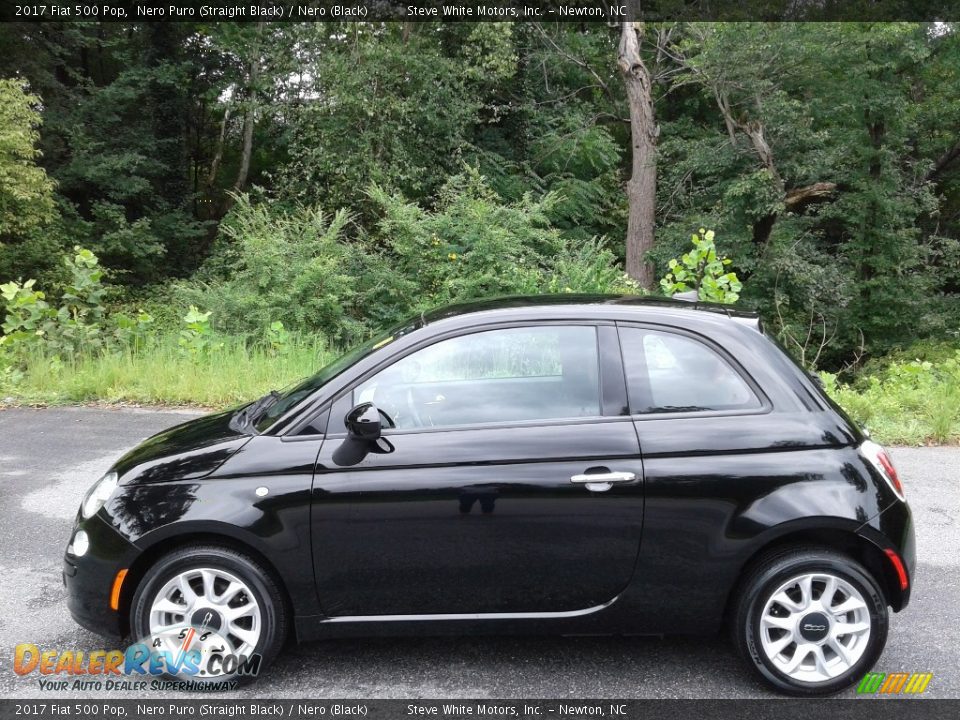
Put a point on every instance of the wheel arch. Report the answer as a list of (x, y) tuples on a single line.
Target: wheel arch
[(162, 546), (845, 541)]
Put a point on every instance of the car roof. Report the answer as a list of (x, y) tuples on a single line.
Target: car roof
[(587, 307)]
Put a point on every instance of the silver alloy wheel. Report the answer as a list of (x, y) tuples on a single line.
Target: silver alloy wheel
[(210, 594), (815, 627)]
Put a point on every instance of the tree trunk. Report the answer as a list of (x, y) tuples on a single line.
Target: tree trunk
[(727, 115), (248, 121), (218, 151), (642, 186), (944, 161), (794, 199), (758, 140), (797, 198), (249, 115)]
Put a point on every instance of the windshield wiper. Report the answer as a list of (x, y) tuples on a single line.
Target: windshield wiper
[(244, 417)]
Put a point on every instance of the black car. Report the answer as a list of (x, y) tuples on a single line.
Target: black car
[(560, 464)]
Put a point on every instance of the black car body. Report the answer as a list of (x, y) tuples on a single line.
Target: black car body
[(712, 450)]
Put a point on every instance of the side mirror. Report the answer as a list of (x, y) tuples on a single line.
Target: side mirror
[(363, 422)]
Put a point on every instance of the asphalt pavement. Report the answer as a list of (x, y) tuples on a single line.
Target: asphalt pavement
[(48, 458)]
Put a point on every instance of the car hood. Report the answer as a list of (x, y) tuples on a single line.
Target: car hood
[(184, 452)]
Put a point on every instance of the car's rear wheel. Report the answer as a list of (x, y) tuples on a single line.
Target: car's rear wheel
[(214, 600), (810, 621)]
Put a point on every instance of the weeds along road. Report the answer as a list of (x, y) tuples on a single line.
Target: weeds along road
[(49, 457)]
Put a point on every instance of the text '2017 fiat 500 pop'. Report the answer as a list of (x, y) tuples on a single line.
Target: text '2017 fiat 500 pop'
[(565, 464)]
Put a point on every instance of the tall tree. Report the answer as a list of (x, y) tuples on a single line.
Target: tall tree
[(810, 149), (26, 193), (384, 110), (743, 71), (644, 132)]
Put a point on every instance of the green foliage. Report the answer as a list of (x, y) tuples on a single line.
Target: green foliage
[(932, 351), (905, 401), (287, 265), (580, 161), (26, 193), (149, 129), (38, 254), (861, 268), (115, 140), (490, 53), (75, 325), (702, 270), (80, 352), (474, 245), (300, 267), (78, 322), (132, 332), (394, 113), (587, 267), (132, 245), (197, 338), (27, 313), (81, 323), (278, 338)]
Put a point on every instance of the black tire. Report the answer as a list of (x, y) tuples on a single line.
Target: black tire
[(777, 568), (257, 578)]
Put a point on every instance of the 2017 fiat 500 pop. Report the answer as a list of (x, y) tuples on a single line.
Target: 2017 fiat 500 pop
[(559, 465)]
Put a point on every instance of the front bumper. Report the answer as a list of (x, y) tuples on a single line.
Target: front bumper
[(89, 579)]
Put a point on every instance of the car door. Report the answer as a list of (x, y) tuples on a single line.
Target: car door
[(512, 482)]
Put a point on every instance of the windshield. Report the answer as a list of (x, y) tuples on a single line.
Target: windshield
[(300, 391)]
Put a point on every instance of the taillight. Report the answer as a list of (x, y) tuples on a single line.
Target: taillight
[(879, 458), (898, 568)]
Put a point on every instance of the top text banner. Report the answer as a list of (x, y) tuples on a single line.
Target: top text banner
[(579, 11)]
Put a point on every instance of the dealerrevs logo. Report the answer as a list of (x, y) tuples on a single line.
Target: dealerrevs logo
[(176, 658), (894, 683)]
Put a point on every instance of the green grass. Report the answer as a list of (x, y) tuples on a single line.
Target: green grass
[(161, 373), (893, 419)]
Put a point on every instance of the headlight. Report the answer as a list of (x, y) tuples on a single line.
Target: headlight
[(98, 494)]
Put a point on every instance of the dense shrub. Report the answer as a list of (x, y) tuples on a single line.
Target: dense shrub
[(473, 245), (78, 323), (320, 273), (294, 266), (905, 401), (72, 346)]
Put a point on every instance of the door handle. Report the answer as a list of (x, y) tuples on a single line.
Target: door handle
[(607, 477)]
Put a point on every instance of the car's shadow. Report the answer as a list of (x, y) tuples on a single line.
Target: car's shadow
[(504, 667)]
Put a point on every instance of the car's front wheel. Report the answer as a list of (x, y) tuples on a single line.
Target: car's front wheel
[(811, 621), (216, 602)]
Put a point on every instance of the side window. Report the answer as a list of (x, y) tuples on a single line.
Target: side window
[(507, 375), (674, 373)]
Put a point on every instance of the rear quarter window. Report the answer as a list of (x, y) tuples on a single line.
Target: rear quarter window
[(668, 372)]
